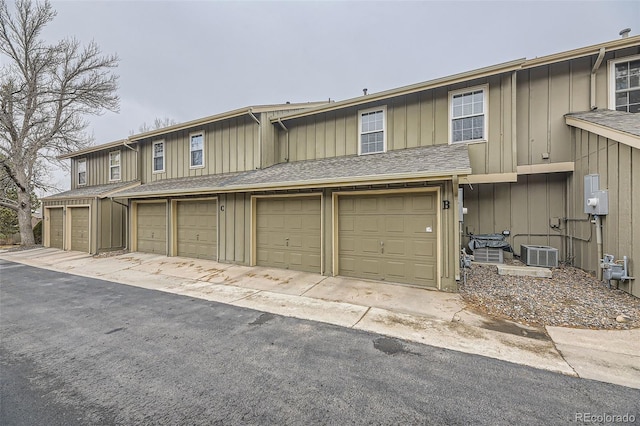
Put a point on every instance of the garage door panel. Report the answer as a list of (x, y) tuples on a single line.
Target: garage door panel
[(311, 242), (368, 245), (388, 239), (152, 228), (367, 205), (370, 267), (56, 228), (394, 224), (292, 238), (395, 203), (347, 223), (347, 245), (396, 247), (424, 204), (197, 229), (424, 248), (425, 272), (79, 228), (368, 224), (397, 270)]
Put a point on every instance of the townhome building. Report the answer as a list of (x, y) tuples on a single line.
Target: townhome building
[(374, 187)]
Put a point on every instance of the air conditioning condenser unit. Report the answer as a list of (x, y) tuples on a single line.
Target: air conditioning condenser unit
[(544, 256)]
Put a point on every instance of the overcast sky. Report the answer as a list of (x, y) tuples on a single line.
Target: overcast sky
[(185, 60)]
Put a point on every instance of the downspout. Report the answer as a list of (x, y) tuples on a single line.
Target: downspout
[(252, 115), (287, 132), (514, 122), (138, 160), (594, 70), (596, 220), (98, 225), (457, 237)]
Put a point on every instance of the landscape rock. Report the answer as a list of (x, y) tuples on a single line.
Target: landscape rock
[(571, 298)]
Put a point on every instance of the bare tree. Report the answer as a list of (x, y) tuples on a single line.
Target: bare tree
[(45, 93), (158, 123)]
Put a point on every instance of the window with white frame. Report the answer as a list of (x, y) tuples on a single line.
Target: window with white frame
[(196, 149), (158, 156), (468, 115), (372, 130), (114, 165), (82, 171), (624, 83)]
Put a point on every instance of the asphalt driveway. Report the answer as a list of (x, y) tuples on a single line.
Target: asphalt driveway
[(97, 352)]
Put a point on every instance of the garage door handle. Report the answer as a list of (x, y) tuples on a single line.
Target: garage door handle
[(382, 247), (286, 240), (197, 237)]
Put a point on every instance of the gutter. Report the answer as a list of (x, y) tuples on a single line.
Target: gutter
[(308, 184), (413, 88)]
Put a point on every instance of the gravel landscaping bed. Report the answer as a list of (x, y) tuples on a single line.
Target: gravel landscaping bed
[(572, 298)]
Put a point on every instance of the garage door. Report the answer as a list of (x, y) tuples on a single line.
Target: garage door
[(56, 228), (196, 229), (390, 237), (152, 228), (79, 228), (288, 233)]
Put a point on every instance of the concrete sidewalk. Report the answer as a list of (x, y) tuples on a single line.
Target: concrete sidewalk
[(423, 316)]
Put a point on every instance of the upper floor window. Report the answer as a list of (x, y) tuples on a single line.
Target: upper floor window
[(158, 156), (196, 149), (624, 77), (372, 130), (468, 115), (114, 165), (82, 171)]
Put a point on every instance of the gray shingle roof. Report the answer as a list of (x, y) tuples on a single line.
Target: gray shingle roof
[(430, 161), (618, 120), (92, 191)]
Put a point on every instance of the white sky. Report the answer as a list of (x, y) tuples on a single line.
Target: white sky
[(186, 60)]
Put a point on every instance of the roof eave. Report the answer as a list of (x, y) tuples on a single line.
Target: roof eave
[(220, 117), (313, 183), (405, 90), (605, 131), (91, 149), (581, 52)]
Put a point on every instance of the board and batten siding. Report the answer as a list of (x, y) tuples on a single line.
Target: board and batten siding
[(418, 119), (546, 93), (618, 166), (112, 222), (525, 208), (229, 146), (234, 225), (105, 215), (98, 167)]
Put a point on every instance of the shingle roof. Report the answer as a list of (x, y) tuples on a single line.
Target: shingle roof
[(93, 191), (618, 120), (196, 183), (422, 162)]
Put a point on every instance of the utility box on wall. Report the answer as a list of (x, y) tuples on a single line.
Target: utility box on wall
[(596, 201)]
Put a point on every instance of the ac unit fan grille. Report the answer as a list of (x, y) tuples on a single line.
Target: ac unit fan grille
[(544, 256)]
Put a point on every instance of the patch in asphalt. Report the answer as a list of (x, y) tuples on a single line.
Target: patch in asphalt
[(262, 319), (390, 346)]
